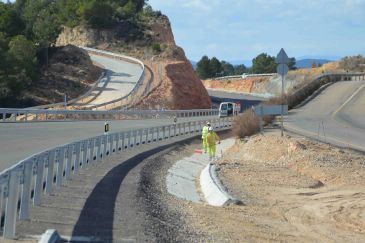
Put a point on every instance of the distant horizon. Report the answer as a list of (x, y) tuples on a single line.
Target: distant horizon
[(238, 62)]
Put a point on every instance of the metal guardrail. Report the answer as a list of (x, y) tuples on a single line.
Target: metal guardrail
[(118, 56), (72, 101), (109, 54), (332, 77), (246, 76), (41, 172), (8, 115)]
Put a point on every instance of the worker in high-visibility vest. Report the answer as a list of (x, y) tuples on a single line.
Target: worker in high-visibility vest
[(212, 139), (204, 136)]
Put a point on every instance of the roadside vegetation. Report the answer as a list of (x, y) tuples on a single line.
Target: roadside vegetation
[(246, 124), (29, 28), (210, 68), (353, 64), (263, 63)]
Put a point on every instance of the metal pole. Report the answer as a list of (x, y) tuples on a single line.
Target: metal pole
[(282, 105)]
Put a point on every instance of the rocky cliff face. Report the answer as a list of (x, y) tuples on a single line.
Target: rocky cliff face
[(177, 85)]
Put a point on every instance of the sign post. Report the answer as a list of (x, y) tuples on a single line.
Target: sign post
[(282, 59)]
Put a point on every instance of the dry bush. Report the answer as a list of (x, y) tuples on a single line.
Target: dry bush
[(246, 124), (355, 63)]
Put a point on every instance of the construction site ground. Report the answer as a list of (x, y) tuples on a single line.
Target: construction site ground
[(292, 190)]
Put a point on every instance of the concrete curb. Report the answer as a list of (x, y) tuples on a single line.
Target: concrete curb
[(50, 236), (214, 192)]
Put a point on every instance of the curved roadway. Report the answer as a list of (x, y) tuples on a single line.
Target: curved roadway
[(20, 140), (336, 115), (120, 78)]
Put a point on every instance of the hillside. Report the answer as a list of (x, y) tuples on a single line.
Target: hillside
[(30, 29), (69, 72), (176, 84)]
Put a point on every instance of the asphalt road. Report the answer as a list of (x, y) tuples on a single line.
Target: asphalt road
[(120, 78), (234, 95), (20, 140), (336, 115)]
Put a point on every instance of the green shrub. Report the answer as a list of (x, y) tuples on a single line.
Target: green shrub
[(156, 48)]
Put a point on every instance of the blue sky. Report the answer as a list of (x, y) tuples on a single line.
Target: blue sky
[(242, 29)]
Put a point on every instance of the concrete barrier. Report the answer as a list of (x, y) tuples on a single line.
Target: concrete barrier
[(214, 192)]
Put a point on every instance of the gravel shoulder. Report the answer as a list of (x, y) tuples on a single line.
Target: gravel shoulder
[(292, 189)]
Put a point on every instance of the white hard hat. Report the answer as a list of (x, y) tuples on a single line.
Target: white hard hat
[(208, 123), (210, 129)]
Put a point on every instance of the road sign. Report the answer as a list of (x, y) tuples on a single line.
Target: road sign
[(282, 69), (265, 110), (282, 57)]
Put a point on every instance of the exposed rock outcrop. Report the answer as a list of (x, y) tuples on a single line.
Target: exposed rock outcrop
[(177, 85)]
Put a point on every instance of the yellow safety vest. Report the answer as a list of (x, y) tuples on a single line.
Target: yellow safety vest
[(205, 132), (212, 138)]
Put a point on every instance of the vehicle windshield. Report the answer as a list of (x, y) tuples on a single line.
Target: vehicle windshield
[(223, 106)]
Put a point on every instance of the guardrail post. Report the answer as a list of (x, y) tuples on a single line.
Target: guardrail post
[(50, 171), (134, 138), (141, 136), (25, 197), (117, 142), (130, 135), (38, 188), (84, 149), (113, 138), (105, 147), (77, 157), (159, 131), (122, 140), (11, 206), (98, 151), (148, 132), (170, 131), (69, 161), (61, 159), (92, 149), (164, 132)]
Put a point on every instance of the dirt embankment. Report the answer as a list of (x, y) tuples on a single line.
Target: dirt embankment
[(293, 190), (176, 86), (272, 85), (69, 71), (294, 79), (235, 85)]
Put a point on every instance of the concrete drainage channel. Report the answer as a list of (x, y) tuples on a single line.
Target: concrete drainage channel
[(181, 177)]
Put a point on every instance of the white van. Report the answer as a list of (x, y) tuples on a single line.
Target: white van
[(229, 109)]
